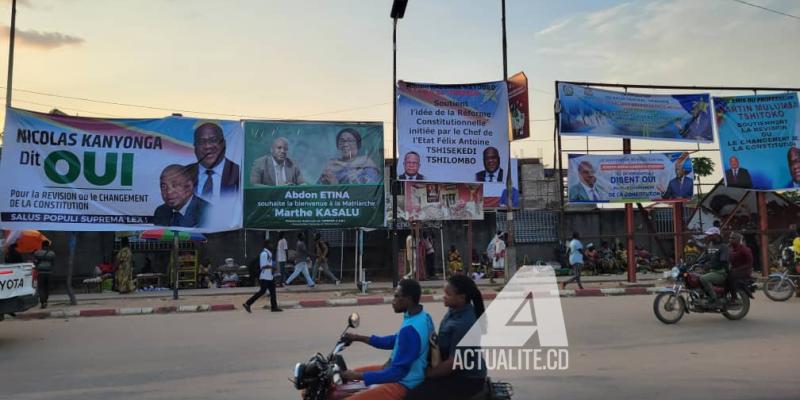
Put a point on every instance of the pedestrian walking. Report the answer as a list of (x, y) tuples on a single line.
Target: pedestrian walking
[(498, 255), (266, 280), (44, 266), (322, 250), (575, 249), (301, 262), (430, 255), (283, 247)]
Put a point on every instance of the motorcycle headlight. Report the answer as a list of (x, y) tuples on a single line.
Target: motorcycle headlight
[(674, 273), (299, 368)]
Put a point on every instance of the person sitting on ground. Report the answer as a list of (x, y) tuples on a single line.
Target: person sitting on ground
[(410, 345), (454, 262), (592, 258), (464, 304)]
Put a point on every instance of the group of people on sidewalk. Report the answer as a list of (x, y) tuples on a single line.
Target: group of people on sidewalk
[(727, 262), (272, 269)]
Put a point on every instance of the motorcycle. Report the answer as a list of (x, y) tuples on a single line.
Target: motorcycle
[(687, 296), (781, 286), (320, 377)]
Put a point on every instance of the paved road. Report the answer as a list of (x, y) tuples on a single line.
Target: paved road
[(617, 350)]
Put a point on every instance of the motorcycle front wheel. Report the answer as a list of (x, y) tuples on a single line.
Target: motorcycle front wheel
[(669, 307), (778, 288), (738, 306)]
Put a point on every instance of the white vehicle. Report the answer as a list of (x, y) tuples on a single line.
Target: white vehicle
[(17, 288)]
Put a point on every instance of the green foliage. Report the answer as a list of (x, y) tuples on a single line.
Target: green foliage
[(793, 196), (702, 166)]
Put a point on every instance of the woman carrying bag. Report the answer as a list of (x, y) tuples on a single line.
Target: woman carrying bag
[(464, 306)]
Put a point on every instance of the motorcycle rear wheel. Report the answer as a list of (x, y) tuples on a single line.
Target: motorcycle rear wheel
[(742, 306), (669, 303), (778, 289)]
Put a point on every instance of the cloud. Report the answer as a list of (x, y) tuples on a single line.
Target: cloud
[(554, 28), (682, 42), (41, 40)]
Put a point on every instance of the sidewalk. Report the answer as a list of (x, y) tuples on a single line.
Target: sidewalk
[(293, 297)]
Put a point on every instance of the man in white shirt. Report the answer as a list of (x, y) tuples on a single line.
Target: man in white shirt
[(283, 247), (265, 279)]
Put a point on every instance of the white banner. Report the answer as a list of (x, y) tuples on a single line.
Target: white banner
[(453, 133), (66, 173)]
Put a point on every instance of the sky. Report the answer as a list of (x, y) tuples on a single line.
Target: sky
[(332, 60)]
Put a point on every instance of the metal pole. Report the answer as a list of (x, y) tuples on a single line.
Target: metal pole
[(393, 173), (511, 258), (341, 256), (468, 267), (558, 164), (677, 226), (626, 149), (11, 34), (175, 263), (444, 260), (763, 225)]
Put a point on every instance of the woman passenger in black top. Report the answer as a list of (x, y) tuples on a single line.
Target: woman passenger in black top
[(442, 382)]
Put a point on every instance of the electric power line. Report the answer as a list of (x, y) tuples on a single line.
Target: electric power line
[(766, 9), (173, 110)]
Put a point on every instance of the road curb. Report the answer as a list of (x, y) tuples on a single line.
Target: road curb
[(317, 303)]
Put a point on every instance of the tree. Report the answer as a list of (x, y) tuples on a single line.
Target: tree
[(791, 195), (702, 167)]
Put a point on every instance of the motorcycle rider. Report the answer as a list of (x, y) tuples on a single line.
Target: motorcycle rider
[(741, 261), (406, 368), (442, 381), (719, 258)]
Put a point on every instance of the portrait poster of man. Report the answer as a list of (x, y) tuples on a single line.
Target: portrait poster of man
[(758, 137), (313, 174), (453, 133), (95, 174), (630, 178)]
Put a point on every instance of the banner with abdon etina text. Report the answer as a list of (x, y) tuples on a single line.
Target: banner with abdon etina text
[(306, 174), (65, 173), (453, 133)]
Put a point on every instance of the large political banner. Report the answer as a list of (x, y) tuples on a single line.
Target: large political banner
[(443, 201), (758, 140), (453, 133), (518, 104), (586, 111), (306, 174), (630, 178), (67, 173)]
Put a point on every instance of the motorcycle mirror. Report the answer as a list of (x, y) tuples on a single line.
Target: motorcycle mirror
[(354, 320)]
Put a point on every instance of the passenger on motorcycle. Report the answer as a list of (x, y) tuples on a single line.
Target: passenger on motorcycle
[(442, 382), (405, 370), (741, 261), (719, 254)]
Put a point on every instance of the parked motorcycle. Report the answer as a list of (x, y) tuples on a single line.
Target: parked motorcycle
[(781, 286), (687, 296), (320, 377)]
